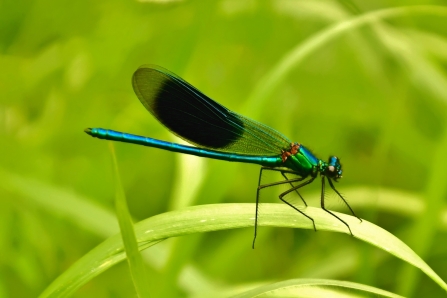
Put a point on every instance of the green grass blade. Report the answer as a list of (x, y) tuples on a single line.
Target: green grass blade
[(74, 207), (316, 288), (426, 227), (268, 84), (134, 258), (396, 201), (79, 210), (207, 218)]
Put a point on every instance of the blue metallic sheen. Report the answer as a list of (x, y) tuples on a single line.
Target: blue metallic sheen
[(108, 134), (309, 156)]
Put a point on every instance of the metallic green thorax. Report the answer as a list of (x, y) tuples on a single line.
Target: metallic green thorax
[(303, 162)]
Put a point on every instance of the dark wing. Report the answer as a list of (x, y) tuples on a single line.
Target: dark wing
[(198, 119)]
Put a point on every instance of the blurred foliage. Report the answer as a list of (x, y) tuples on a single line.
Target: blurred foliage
[(375, 96)]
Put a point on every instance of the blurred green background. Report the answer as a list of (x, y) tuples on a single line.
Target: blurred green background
[(375, 96)]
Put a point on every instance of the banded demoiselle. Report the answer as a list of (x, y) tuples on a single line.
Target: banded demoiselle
[(222, 134)]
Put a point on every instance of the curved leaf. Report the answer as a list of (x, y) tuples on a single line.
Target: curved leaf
[(316, 288), (207, 218), (268, 84)]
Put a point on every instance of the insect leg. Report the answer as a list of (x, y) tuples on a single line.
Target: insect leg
[(268, 185), (322, 205), (295, 188), (352, 211)]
